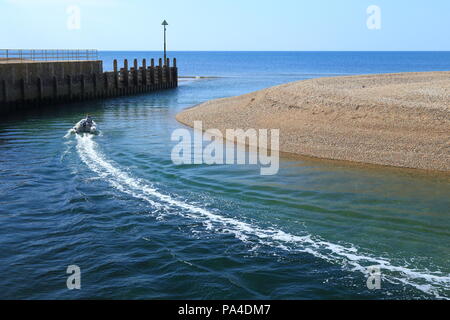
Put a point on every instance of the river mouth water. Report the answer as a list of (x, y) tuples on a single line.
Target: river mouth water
[(140, 227)]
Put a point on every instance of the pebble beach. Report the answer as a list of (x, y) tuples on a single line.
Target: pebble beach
[(400, 120)]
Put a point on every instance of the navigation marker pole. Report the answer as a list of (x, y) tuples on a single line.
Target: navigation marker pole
[(165, 51)]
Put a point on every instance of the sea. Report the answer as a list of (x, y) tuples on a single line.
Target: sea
[(138, 226)]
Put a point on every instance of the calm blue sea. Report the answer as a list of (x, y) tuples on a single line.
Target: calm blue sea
[(140, 227)]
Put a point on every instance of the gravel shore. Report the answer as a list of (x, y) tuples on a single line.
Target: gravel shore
[(400, 120)]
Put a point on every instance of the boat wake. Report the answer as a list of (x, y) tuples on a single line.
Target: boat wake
[(348, 257)]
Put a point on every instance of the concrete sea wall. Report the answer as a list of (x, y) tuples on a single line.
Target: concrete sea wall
[(30, 83)]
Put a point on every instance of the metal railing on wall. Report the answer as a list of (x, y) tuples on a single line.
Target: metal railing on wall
[(26, 55)]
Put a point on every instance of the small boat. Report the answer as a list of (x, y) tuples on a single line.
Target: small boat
[(86, 126)]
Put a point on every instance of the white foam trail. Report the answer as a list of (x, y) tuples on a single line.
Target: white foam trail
[(425, 281), (69, 133)]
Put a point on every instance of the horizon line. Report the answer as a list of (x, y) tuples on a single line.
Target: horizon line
[(122, 50)]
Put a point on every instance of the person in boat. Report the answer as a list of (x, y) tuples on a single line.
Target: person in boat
[(86, 125), (87, 122)]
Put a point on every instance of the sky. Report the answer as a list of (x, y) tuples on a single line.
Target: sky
[(227, 25)]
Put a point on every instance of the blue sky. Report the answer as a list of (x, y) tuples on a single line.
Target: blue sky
[(291, 25)]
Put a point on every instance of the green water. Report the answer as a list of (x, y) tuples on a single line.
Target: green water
[(139, 226)]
